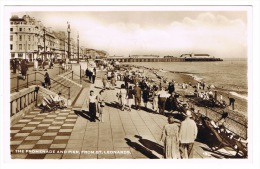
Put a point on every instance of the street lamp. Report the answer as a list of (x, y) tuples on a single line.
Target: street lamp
[(44, 52), (68, 29), (78, 47)]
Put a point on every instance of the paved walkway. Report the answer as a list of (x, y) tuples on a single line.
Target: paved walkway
[(68, 134)]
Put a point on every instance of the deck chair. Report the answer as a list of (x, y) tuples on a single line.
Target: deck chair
[(48, 105), (222, 138)]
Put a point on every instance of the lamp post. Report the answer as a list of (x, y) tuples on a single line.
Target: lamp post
[(68, 40), (78, 47), (44, 52)]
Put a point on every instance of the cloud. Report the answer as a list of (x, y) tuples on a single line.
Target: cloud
[(139, 33)]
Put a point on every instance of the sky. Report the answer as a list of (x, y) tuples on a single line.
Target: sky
[(218, 33)]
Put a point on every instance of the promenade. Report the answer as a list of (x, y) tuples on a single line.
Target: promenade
[(69, 134), (52, 73)]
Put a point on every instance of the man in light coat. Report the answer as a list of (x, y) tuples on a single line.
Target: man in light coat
[(187, 136)]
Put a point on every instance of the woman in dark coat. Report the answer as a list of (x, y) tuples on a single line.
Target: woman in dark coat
[(47, 80), (24, 68), (145, 96)]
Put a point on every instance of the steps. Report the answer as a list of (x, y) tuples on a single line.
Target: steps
[(59, 86)]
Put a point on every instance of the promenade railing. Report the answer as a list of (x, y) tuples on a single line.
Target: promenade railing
[(33, 79)]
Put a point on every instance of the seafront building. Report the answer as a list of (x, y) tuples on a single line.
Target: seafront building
[(30, 39)]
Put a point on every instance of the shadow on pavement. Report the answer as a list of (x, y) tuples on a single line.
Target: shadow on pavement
[(145, 151), (151, 145), (84, 114), (218, 154), (113, 104)]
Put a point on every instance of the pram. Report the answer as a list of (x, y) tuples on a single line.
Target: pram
[(48, 105)]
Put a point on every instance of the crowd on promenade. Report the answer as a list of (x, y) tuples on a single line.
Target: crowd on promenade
[(159, 96), (178, 137)]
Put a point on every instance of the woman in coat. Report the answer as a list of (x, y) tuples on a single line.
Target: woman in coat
[(170, 138)]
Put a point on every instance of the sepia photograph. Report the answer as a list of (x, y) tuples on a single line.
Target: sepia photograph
[(128, 82)]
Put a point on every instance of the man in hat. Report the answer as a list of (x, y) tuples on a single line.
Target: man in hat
[(187, 136)]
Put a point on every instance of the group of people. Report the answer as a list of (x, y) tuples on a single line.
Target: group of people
[(178, 137), (21, 66), (96, 104), (91, 73)]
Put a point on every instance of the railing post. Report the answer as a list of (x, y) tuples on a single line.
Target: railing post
[(69, 92), (35, 77), (17, 84), (80, 73), (27, 80)]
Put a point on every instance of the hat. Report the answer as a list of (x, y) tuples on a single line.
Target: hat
[(188, 113)]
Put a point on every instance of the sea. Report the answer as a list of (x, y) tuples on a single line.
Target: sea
[(230, 75)]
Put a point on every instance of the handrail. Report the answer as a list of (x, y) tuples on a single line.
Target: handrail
[(235, 121), (35, 80), (55, 81)]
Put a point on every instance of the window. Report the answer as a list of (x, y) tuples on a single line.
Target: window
[(29, 29), (20, 47), (29, 38), (29, 47), (11, 29), (20, 29), (20, 37), (11, 47), (11, 37)]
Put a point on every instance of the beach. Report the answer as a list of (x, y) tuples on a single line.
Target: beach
[(237, 121), (229, 78)]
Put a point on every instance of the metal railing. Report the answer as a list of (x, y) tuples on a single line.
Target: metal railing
[(241, 127), (33, 81), (72, 73)]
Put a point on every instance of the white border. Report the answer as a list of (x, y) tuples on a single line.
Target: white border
[(253, 64)]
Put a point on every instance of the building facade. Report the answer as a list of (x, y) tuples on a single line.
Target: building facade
[(30, 39)]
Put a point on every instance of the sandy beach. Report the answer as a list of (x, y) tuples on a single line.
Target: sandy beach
[(237, 121)]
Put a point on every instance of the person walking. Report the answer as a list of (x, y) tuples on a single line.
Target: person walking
[(145, 96), (47, 80), (104, 81), (24, 68), (137, 94), (113, 82), (130, 97), (90, 69), (187, 135), (155, 99), (92, 106), (122, 97), (232, 102), (35, 63), (14, 65), (101, 104), (170, 138), (94, 75), (163, 95)]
